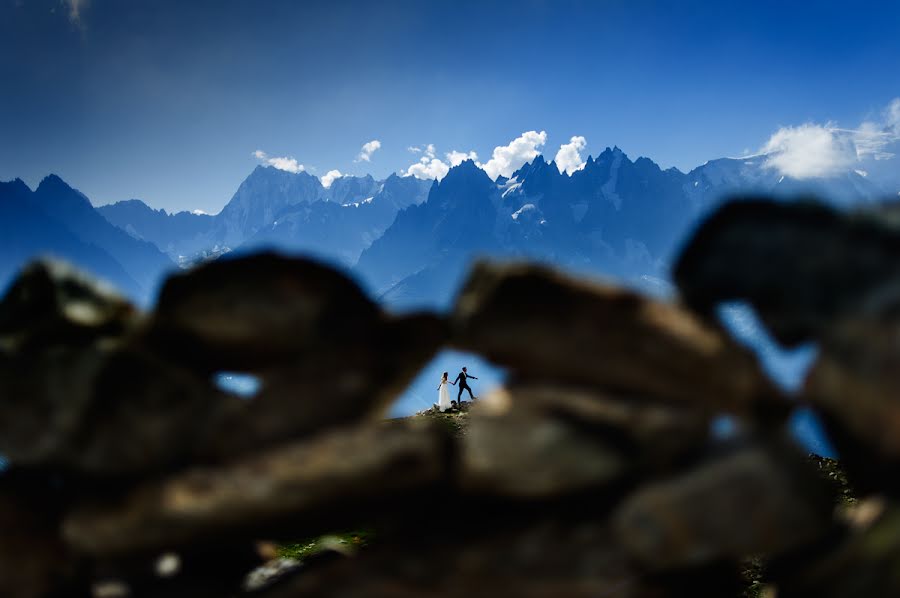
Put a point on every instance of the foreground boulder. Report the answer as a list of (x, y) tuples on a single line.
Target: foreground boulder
[(313, 482), (801, 265), (750, 502), (92, 386), (256, 312), (543, 325)]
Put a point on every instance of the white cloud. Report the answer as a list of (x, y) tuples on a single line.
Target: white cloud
[(367, 150), (568, 158), (506, 159), (414, 149), (285, 163), (814, 150), (456, 158), (330, 176), (428, 168), (809, 151)]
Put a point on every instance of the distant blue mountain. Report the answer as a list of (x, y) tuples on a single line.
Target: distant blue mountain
[(292, 212), (178, 235), (614, 217), (141, 259), (338, 231), (27, 232), (411, 240), (263, 195)]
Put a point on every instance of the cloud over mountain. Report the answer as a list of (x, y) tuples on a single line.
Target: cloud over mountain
[(330, 176), (431, 167), (286, 163), (568, 158), (814, 150), (506, 159)]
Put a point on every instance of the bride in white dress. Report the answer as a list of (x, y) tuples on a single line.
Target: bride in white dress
[(444, 393)]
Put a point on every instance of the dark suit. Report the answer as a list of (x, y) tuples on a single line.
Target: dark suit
[(461, 380)]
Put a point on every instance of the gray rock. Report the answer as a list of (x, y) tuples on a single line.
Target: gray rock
[(864, 564), (651, 434), (750, 502), (340, 471), (52, 302), (800, 265), (855, 380), (546, 326), (521, 453), (252, 313)]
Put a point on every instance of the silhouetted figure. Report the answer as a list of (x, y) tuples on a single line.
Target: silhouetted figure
[(461, 379)]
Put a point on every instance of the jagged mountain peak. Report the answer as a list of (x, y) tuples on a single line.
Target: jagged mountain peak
[(53, 188), (15, 188), (53, 182), (466, 170)]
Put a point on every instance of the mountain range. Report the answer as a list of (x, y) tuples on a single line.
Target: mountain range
[(613, 217), (57, 220), (408, 240), (293, 212)]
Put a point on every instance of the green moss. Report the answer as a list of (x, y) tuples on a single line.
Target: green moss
[(831, 470), (302, 550)]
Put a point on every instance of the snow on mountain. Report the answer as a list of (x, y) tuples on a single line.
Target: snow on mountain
[(411, 240)]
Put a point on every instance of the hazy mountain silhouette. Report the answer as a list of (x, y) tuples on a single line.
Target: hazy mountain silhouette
[(411, 240), (179, 234), (141, 259), (27, 233)]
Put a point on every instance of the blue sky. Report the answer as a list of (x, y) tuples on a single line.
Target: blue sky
[(168, 101)]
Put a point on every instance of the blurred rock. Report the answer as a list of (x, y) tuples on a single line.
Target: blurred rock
[(522, 453), (651, 434), (538, 558), (331, 474), (34, 561), (750, 502), (866, 564), (801, 265), (52, 303), (254, 312), (855, 383), (329, 388), (543, 325)]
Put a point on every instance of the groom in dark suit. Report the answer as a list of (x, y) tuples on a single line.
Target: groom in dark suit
[(461, 379)]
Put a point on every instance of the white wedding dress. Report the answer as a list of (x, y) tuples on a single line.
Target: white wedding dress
[(444, 396)]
